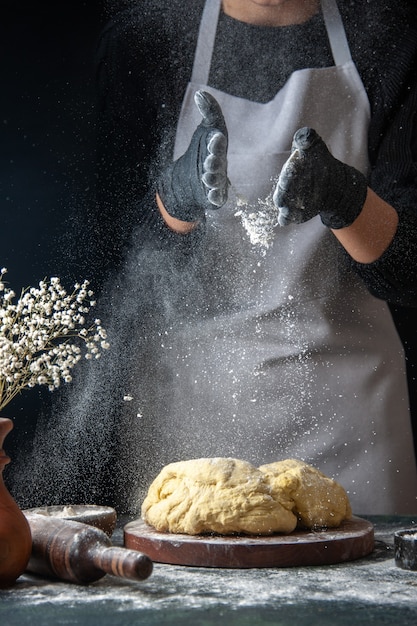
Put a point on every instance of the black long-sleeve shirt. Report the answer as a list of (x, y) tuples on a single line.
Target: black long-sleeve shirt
[(144, 63)]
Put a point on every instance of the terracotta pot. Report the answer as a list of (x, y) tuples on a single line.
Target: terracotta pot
[(15, 535)]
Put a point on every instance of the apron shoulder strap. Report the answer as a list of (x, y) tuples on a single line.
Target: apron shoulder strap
[(205, 42), (336, 32)]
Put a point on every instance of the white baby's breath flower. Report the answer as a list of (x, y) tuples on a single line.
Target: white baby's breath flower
[(40, 335)]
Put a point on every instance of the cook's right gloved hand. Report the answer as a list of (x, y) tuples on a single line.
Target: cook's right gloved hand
[(197, 181)]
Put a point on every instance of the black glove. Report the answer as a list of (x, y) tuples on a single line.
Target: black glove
[(312, 182), (197, 181)]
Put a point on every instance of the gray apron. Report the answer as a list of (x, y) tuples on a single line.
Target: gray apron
[(282, 352)]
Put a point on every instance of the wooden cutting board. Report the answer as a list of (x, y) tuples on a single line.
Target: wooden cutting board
[(352, 540)]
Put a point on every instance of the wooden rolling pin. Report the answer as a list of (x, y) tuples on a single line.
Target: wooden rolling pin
[(79, 553)]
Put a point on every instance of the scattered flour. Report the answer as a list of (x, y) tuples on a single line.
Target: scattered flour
[(56, 511), (259, 224)]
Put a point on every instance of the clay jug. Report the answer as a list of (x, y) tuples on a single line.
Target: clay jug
[(15, 535)]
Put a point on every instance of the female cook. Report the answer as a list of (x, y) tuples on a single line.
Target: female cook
[(285, 349)]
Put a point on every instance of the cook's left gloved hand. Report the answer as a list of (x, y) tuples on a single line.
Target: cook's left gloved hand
[(312, 182)]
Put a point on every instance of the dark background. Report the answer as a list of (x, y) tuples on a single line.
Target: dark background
[(47, 103)]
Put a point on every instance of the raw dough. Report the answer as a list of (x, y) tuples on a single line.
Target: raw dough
[(316, 500), (215, 495)]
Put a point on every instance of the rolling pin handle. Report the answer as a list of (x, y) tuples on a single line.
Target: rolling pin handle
[(124, 563)]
